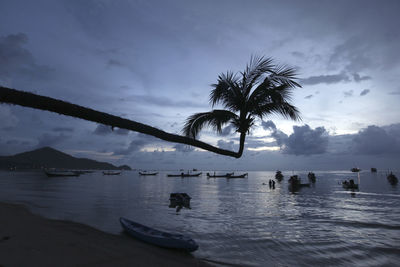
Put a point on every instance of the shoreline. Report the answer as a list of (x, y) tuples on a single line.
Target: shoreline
[(28, 239)]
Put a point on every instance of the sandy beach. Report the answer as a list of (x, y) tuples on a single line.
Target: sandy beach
[(27, 239)]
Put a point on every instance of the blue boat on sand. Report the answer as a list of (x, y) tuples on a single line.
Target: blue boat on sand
[(158, 238)]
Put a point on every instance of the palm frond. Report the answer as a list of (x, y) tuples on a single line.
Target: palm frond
[(226, 85), (283, 74), (266, 92), (215, 119), (227, 91), (257, 67), (284, 109)]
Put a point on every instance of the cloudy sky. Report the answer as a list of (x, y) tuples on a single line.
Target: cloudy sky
[(154, 62)]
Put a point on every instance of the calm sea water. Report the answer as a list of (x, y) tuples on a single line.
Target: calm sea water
[(237, 221)]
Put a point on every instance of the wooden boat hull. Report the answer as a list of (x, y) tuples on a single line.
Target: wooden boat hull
[(148, 173), (184, 175), (158, 238), (348, 186), (392, 179), (111, 173), (61, 174), (279, 176), (237, 176), (179, 197), (220, 176)]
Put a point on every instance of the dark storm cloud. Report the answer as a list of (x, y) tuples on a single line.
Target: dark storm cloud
[(298, 54), (102, 129), (161, 101), (364, 92), (268, 125), (114, 63), (303, 140), (358, 78), (139, 142), (227, 130), (183, 148), (394, 93), (134, 146), (15, 59), (327, 79), (278, 135), (377, 140), (63, 129), (18, 142), (47, 139), (306, 141), (256, 142), (228, 145)]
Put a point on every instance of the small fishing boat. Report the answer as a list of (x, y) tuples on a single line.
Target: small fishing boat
[(148, 173), (226, 175), (158, 238), (111, 172), (179, 197), (237, 176), (392, 179), (349, 184), (311, 177), (355, 169), (295, 183), (56, 173), (83, 171), (279, 176), (184, 175), (373, 170)]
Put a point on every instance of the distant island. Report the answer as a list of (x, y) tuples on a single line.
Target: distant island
[(48, 157)]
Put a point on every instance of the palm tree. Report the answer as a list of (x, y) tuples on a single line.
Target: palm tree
[(263, 88), (270, 96)]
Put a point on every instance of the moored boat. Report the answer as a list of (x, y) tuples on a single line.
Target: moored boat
[(349, 184), (311, 177), (56, 173), (111, 172), (184, 175), (392, 179), (226, 175), (295, 183), (355, 169), (179, 197), (158, 238), (279, 176), (237, 176), (147, 173), (373, 170)]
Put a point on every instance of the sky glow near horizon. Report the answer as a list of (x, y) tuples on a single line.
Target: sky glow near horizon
[(154, 62)]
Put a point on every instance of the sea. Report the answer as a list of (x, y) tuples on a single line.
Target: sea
[(239, 222)]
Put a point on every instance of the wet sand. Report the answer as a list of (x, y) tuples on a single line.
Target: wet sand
[(27, 239)]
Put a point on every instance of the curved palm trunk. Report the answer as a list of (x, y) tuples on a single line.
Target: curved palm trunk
[(241, 145), (12, 96)]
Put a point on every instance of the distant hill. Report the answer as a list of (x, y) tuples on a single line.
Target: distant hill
[(48, 157)]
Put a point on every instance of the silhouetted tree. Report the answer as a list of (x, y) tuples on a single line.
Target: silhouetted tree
[(262, 89), (270, 96)]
